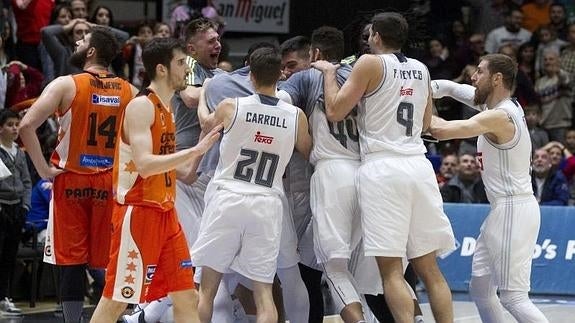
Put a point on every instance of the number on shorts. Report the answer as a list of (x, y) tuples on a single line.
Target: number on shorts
[(106, 128), (265, 170), (405, 117)]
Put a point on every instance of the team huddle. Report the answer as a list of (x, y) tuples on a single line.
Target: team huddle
[(197, 196)]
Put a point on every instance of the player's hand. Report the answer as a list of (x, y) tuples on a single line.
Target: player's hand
[(209, 139), (324, 66), (50, 173)]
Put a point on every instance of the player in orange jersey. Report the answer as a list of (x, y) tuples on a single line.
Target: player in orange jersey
[(149, 255), (88, 106)]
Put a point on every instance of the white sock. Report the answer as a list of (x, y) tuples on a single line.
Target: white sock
[(156, 309), (419, 319)]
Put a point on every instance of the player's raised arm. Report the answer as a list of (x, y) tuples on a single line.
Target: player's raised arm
[(463, 93)]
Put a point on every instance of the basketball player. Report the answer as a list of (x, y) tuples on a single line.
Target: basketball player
[(395, 108), (293, 289), (502, 259), (88, 106), (149, 255), (335, 155), (260, 133)]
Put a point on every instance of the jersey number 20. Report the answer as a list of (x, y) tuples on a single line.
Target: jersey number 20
[(265, 169)]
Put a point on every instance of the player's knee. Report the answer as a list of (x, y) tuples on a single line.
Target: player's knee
[(480, 289), (340, 284), (511, 299)]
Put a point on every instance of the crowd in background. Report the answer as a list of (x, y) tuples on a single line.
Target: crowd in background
[(39, 36)]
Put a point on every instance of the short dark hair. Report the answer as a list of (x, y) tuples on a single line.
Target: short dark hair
[(105, 44), (6, 114), (329, 41), (56, 12), (159, 51), (299, 44), (499, 63), (197, 26), (392, 29), (265, 66), (258, 45)]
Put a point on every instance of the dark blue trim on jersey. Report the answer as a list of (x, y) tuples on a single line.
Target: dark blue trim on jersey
[(269, 100), (400, 57)]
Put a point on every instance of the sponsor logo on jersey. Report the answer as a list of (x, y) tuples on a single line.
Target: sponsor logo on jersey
[(127, 292), (150, 271), (106, 100), (96, 161), (48, 250), (186, 264), (263, 139), (405, 91)]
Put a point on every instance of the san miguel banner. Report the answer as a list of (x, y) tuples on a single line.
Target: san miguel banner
[(262, 16)]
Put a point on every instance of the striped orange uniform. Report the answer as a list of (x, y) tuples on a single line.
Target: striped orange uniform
[(79, 230), (149, 255)]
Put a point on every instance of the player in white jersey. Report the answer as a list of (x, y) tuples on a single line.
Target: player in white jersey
[(502, 259), (240, 232), (401, 207), (335, 155)]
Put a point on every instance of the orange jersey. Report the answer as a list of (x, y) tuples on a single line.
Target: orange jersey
[(156, 190), (88, 129)]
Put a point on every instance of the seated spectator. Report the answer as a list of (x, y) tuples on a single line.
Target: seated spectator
[(547, 41), (539, 137), (162, 30), (132, 54), (510, 33), (103, 16), (526, 60), (23, 82), (466, 186), (438, 60), (39, 208), (554, 92), (558, 20), (448, 168), (79, 9), (568, 53), (549, 185)]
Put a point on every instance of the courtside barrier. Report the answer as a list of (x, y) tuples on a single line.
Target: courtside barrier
[(553, 270)]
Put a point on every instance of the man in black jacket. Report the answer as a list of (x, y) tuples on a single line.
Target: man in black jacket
[(466, 186)]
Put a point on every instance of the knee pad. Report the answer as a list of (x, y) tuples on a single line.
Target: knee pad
[(73, 282), (341, 284)]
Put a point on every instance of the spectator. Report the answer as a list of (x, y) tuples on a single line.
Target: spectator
[(79, 9), (14, 203), (39, 208), (558, 20), (555, 95), (555, 150), (162, 30), (193, 9), (510, 33), (132, 54), (469, 53), (61, 15), (536, 14), (539, 137), (568, 53), (31, 17), (23, 82), (103, 16), (448, 168), (523, 91), (526, 60), (549, 185), (466, 186), (547, 41), (438, 61), (60, 42), (295, 55)]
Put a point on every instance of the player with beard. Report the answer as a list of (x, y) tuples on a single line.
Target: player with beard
[(502, 258), (149, 255), (88, 106)]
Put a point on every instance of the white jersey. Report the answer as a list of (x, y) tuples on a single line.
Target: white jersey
[(391, 117), (257, 145), (505, 169)]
